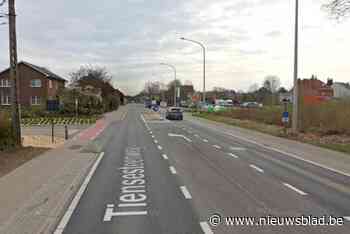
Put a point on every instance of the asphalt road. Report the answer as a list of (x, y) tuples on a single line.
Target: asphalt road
[(171, 177)]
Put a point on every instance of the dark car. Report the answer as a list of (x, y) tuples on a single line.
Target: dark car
[(174, 113)]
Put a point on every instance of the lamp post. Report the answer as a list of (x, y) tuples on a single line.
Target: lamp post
[(204, 52), (174, 69), (296, 88)]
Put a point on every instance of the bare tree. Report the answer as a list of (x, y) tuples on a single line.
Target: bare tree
[(338, 8), (272, 83), (2, 15)]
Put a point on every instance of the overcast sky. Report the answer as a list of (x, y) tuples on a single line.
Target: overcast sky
[(246, 40)]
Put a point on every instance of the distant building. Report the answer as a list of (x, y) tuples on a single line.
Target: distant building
[(314, 91), (341, 90), (37, 86)]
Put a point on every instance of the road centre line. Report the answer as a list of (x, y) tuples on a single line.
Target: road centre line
[(233, 155), (173, 170), (216, 146), (65, 219), (206, 228), (256, 168), (295, 189), (165, 156), (285, 153), (185, 192)]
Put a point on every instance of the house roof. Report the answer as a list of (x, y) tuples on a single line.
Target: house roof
[(49, 74)]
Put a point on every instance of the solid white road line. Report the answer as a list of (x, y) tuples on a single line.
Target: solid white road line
[(216, 146), (205, 140), (186, 192), (206, 228), (256, 168), (132, 204), (165, 156), (173, 170), (159, 147), (295, 189), (347, 218), (64, 221), (233, 155)]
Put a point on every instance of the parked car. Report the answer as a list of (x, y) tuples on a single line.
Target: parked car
[(251, 105), (174, 113), (218, 108)]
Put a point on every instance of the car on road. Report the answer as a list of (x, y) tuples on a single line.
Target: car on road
[(174, 113)]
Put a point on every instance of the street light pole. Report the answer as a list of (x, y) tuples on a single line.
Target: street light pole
[(174, 69), (295, 117), (204, 62)]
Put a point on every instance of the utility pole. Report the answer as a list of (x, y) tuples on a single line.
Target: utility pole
[(16, 123), (295, 120)]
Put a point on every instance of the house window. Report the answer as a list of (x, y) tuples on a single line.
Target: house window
[(5, 83), (5, 100), (35, 83), (50, 84), (35, 100)]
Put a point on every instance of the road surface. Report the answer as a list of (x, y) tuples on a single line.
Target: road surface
[(172, 176)]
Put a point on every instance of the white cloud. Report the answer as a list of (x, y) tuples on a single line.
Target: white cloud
[(245, 39)]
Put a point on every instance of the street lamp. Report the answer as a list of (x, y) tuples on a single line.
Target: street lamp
[(174, 69), (296, 88), (203, 47)]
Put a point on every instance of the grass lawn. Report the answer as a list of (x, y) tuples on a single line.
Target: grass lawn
[(275, 130)]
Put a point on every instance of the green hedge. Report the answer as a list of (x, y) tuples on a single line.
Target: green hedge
[(6, 138)]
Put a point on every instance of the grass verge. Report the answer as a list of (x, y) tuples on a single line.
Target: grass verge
[(274, 130)]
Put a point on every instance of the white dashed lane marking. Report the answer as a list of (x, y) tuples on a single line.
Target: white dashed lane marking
[(256, 168), (159, 147), (165, 156), (186, 192), (173, 170), (205, 140), (233, 155), (295, 189), (216, 146)]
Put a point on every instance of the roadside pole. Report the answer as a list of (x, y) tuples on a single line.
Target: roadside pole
[(16, 126), (52, 131)]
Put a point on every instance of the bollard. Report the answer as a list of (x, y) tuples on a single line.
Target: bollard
[(66, 132), (52, 132)]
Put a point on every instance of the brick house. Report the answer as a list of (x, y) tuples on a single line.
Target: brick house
[(315, 91), (37, 85)]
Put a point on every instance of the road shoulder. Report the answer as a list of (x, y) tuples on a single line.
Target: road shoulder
[(326, 158)]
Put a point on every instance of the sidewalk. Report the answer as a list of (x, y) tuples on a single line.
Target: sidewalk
[(326, 158), (34, 196)]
